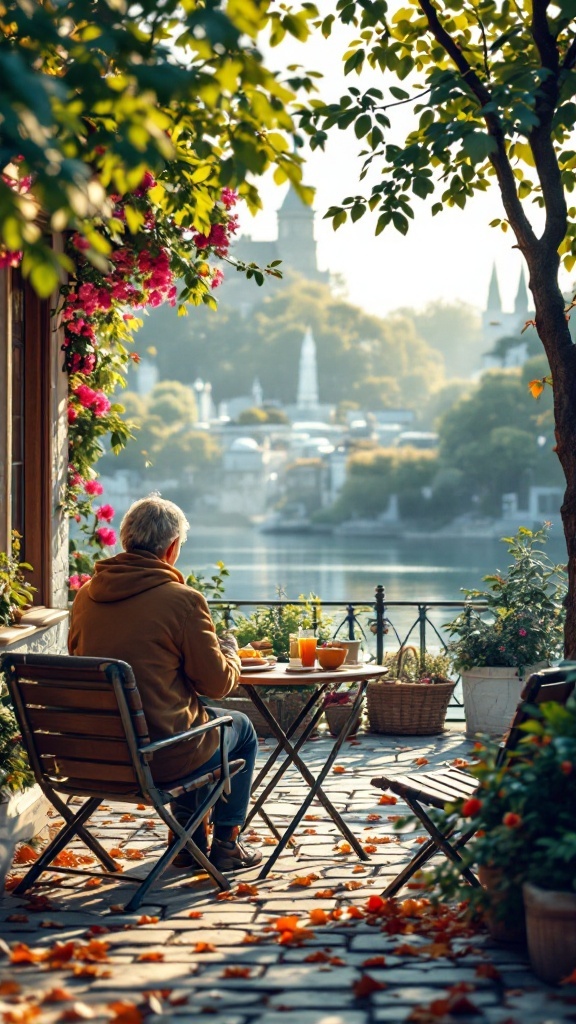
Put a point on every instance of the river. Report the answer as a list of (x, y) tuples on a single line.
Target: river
[(345, 568)]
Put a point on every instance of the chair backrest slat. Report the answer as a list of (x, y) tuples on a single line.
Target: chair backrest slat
[(83, 748), (76, 723), (73, 696), (76, 772), (549, 684)]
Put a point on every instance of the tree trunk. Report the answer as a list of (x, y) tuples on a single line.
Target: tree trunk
[(554, 334)]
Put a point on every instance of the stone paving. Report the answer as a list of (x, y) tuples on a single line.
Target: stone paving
[(187, 954)]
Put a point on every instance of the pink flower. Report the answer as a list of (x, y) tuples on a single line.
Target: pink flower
[(8, 258), (229, 197), (105, 512), (74, 582), (522, 632), (101, 404), (217, 278), (72, 414), (200, 241), (106, 537), (85, 395), (88, 363), (148, 181), (75, 479), (80, 243), (93, 487), (84, 578)]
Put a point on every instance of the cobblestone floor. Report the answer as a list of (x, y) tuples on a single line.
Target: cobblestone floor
[(187, 954)]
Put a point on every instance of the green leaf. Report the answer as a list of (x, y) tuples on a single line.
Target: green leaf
[(478, 146), (362, 126)]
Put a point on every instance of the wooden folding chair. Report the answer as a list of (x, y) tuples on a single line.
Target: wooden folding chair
[(86, 735), (438, 788)]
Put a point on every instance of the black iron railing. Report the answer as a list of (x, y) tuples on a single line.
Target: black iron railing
[(379, 623)]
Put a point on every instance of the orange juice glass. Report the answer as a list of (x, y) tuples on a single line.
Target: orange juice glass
[(307, 643)]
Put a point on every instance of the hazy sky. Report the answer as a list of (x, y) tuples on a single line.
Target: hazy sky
[(448, 257)]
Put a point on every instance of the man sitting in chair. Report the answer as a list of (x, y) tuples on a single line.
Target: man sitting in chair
[(137, 608)]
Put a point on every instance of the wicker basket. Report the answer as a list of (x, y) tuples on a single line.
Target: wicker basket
[(407, 709), (285, 709), (337, 715)]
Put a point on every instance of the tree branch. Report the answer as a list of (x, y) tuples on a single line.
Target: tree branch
[(499, 159), (540, 137), (570, 58)]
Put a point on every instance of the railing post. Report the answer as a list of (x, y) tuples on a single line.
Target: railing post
[(380, 609), (422, 632), (350, 620)]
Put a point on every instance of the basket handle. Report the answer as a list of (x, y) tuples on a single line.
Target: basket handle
[(403, 653)]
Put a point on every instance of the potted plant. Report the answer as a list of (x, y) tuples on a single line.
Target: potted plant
[(337, 706), (15, 593), (525, 843), (520, 628), (413, 699)]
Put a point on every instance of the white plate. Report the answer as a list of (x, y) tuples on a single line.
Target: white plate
[(264, 667), (301, 668)]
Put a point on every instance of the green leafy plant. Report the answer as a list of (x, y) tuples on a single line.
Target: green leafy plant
[(213, 590), (523, 619), (524, 814), (15, 771), (277, 623), (15, 592)]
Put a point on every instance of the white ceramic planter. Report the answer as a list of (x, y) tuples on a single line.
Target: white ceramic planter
[(22, 816), (551, 932), (490, 697)]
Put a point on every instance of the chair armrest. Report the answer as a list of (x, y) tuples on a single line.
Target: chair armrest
[(151, 748)]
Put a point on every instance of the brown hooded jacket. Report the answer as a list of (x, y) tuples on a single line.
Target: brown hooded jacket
[(138, 608)]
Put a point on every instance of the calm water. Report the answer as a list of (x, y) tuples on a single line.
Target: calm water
[(345, 568)]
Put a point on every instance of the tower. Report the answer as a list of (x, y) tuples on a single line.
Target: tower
[(296, 244), (494, 304), (521, 300), (307, 398)]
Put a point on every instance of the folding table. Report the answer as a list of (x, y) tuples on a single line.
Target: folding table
[(320, 681)]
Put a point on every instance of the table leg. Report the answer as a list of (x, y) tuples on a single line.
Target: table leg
[(292, 729), (281, 746), (316, 791)]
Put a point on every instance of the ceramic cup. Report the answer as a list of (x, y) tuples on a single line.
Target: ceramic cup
[(353, 649)]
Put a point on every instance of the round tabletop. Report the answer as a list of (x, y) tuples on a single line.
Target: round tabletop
[(281, 675)]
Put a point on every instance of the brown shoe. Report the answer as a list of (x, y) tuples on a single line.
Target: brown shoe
[(233, 856), (184, 858)]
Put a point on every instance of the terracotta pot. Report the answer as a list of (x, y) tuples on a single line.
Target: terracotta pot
[(551, 932), (502, 928)]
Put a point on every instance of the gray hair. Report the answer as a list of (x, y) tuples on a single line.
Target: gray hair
[(151, 524)]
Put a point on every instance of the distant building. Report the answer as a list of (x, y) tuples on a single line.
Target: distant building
[(501, 331), (295, 245), (307, 405)]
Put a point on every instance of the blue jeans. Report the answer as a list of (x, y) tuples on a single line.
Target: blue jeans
[(242, 743)]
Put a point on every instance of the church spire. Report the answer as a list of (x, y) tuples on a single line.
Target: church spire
[(494, 304), (307, 399), (521, 300)]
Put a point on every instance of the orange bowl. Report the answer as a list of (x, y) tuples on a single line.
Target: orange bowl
[(331, 657)]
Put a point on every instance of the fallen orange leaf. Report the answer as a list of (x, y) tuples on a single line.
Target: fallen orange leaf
[(371, 848), (270, 841), (128, 817), (303, 881), (338, 769), (18, 918), (386, 800), (140, 807), (310, 832), (57, 995), (459, 762), (125, 1012), (344, 848), (92, 883), (78, 1011), (153, 957), (246, 889), (353, 885), (374, 961), (366, 985), (358, 869), (195, 914), (204, 947), (311, 817), (421, 760), (236, 972), (373, 817), (324, 894), (22, 954), (147, 919), (134, 854), (319, 916), (9, 988), (25, 855)]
